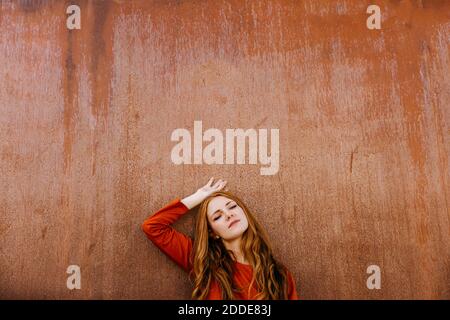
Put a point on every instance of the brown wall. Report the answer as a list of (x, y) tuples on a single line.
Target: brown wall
[(86, 118)]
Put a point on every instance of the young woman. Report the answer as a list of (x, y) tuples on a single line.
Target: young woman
[(231, 257)]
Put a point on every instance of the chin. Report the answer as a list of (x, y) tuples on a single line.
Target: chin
[(236, 234)]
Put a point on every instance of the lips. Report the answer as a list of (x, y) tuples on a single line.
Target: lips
[(233, 223)]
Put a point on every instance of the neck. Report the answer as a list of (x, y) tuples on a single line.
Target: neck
[(235, 246)]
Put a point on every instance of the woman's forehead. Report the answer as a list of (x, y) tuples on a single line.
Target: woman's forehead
[(218, 203)]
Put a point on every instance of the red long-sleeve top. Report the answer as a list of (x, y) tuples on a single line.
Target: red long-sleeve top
[(178, 246)]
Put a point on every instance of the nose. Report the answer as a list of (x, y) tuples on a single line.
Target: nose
[(229, 215)]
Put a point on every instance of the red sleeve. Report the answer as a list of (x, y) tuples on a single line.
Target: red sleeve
[(174, 244), (292, 295)]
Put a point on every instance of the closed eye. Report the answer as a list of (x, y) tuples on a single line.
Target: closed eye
[(217, 217)]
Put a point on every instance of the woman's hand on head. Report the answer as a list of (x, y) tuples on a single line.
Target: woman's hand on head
[(203, 193), (212, 187)]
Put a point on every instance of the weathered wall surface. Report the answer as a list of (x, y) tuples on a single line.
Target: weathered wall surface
[(86, 118)]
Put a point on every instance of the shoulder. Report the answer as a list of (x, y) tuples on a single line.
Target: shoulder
[(290, 276), (292, 287)]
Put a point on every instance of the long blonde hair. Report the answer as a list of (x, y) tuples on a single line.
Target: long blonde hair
[(211, 260)]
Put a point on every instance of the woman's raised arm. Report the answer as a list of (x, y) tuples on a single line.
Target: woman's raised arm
[(176, 245)]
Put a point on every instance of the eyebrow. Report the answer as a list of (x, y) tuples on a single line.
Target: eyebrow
[(221, 209)]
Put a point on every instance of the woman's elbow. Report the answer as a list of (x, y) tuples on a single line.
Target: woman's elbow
[(148, 228)]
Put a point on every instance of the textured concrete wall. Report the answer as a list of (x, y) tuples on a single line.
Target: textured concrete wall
[(86, 118)]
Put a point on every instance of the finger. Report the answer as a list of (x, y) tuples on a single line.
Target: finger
[(217, 184), (210, 181), (222, 184)]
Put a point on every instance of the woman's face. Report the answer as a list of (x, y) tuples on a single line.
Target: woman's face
[(226, 218)]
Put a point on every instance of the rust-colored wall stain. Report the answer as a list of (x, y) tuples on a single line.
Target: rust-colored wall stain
[(86, 118)]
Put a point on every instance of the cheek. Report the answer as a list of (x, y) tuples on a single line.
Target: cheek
[(243, 217), (218, 226)]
